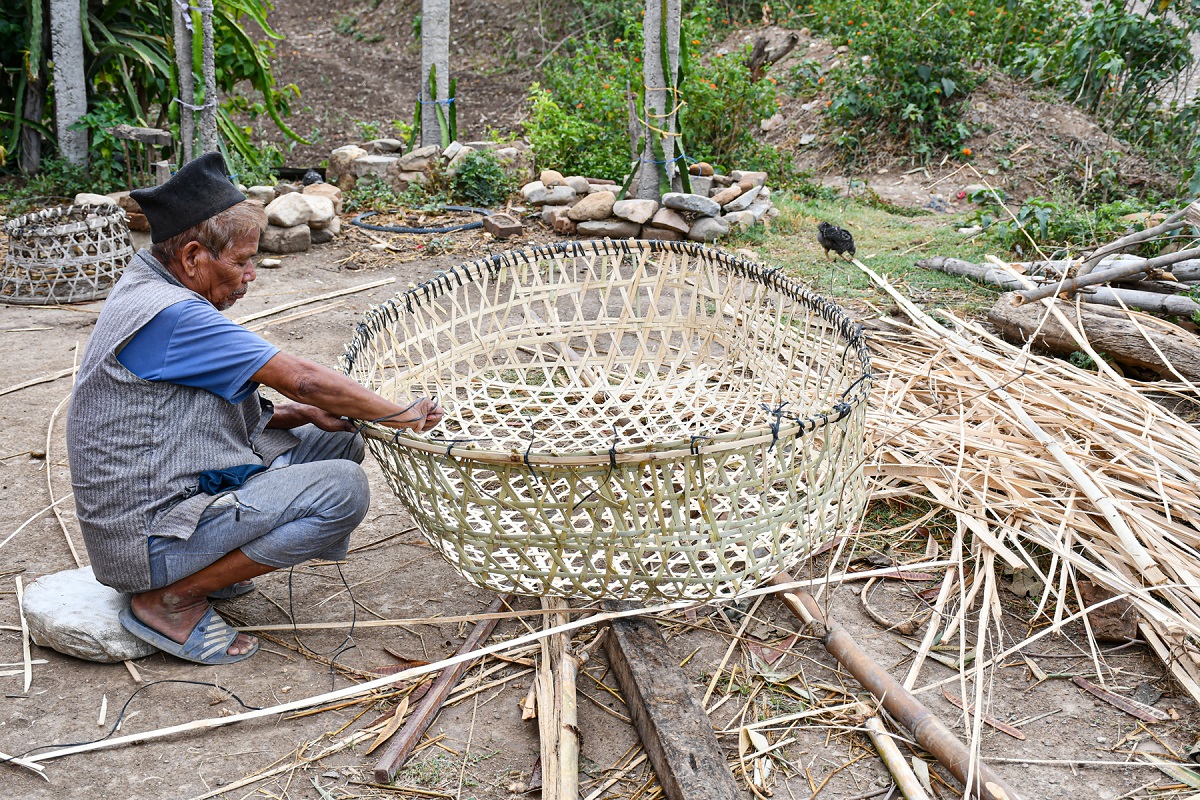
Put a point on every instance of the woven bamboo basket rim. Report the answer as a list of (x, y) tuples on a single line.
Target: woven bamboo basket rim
[(786, 425), (42, 223)]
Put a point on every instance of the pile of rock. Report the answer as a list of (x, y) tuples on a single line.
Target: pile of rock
[(383, 160), (716, 205), (297, 216)]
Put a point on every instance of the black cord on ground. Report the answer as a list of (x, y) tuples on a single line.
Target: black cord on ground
[(469, 226), (125, 707)]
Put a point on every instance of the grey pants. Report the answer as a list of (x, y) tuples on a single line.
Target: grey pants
[(303, 507)]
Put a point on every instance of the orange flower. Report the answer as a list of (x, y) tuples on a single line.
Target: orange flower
[(970, 13), (579, 105), (772, 80), (828, 103), (966, 151), (617, 41), (820, 80), (695, 41)]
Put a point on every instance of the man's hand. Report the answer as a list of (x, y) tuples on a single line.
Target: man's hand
[(420, 416)]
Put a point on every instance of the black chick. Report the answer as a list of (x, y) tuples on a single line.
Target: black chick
[(311, 177), (839, 240)]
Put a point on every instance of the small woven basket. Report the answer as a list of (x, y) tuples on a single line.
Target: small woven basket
[(70, 254), (624, 420)]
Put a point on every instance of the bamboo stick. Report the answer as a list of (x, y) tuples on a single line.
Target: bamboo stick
[(314, 299), (410, 735), (927, 729), (893, 759), (53, 376)]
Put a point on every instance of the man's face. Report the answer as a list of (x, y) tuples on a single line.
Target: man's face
[(224, 279)]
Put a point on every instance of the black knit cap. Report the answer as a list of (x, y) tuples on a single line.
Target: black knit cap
[(199, 190)]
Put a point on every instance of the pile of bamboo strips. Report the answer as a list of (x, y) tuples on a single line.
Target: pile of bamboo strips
[(1068, 473)]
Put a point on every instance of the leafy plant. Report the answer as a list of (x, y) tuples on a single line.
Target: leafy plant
[(55, 183), (481, 181), (370, 194)]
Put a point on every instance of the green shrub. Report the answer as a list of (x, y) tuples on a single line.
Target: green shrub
[(56, 183), (567, 141), (370, 194), (481, 181)]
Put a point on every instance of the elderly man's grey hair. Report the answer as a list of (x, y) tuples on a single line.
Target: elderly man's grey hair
[(217, 232)]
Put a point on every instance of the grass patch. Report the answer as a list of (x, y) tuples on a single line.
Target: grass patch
[(887, 242)]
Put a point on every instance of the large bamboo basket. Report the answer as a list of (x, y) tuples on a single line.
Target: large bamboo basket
[(70, 254), (633, 419)]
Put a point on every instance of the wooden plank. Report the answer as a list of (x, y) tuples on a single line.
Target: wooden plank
[(674, 730)]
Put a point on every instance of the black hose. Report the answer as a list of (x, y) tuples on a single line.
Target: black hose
[(469, 226)]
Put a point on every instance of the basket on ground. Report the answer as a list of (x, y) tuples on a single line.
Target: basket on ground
[(70, 254), (632, 419)]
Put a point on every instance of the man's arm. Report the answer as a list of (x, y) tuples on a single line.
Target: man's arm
[(311, 384)]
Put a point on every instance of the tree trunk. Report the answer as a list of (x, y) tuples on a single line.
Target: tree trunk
[(187, 87), (208, 112), (1111, 333), (661, 102), (70, 87), (30, 160), (435, 55)]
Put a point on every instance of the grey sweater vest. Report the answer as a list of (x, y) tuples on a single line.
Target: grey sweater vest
[(137, 447)]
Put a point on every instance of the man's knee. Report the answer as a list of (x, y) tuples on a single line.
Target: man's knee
[(349, 490)]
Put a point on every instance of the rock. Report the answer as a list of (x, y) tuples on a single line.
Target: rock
[(374, 166), (73, 613), (289, 210), (599, 187), (593, 207), (691, 202), (771, 123), (701, 185), (384, 146), (745, 184), (706, 229), (502, 226), (137, 221), (722, 181), (760, 207), (551, 178), (602, 181), (419, 160), (126, 202), (773, 212), (285, 188), (322, 210), (660, 234), (457, 159), (666, 218), (263, 194), (561, 222), (609, 228), (269, 263), (452, 150), (340, 161), (807, 139), (727, 195), (702, 168), (742, 220), (548, 213), (89, 199), (327, 190), (756, 178), (516, 160), (639, 211), (743, 201), (326, 234), (538, 194), (276, 239), (580, 184), (310, 177)]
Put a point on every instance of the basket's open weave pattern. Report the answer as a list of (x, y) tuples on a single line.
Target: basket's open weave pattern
[(623, 419), (70, 254)]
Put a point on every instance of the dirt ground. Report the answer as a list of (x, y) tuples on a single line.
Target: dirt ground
[(485, 741)]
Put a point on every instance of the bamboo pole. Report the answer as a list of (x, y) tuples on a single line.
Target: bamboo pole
[(893, 759), (927, 729), (1123, 270)]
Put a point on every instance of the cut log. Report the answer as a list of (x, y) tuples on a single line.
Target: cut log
[(1175, 305), (153, 136), (557, 710), (1171, 223), (1112, 333), (674, 730), (981, 273), (1121, 270)]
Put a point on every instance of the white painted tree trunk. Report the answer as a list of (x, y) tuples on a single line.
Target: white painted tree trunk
[(435, 52), (70, 88), (659, 108), (187, 89), (208, 113), (31, 140)]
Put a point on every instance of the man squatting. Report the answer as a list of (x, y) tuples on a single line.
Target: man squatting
[(188, 483)]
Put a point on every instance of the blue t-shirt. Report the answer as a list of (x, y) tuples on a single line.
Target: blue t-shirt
[(193, 344)]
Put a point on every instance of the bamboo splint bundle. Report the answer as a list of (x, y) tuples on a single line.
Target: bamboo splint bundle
[(624, 419), (1066, 472), (71, 254)]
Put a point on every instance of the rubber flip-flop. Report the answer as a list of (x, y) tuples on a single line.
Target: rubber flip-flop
[(206, 644), (229, 592)]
